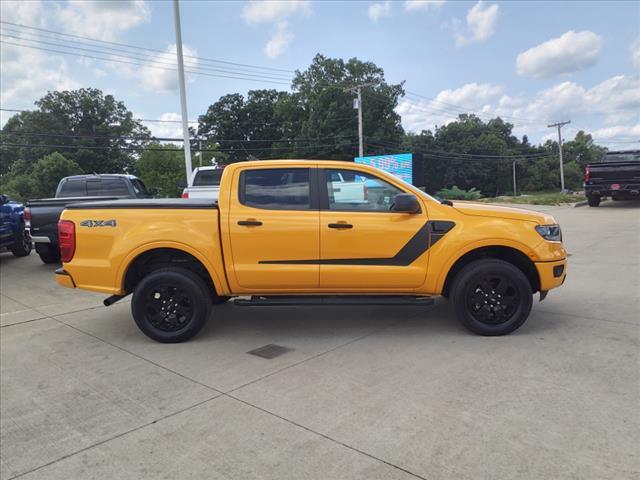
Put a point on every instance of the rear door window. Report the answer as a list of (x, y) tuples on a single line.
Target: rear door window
[(276, 188)]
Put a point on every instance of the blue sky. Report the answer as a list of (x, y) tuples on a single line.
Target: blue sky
[(531, 62)]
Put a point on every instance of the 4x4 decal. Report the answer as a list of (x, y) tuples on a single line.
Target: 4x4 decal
[(98, 223)]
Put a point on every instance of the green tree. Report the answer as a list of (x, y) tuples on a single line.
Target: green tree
[(90, 128), (49, 170), (162, 166)]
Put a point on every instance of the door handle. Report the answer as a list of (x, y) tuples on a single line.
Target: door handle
[(249, 223), (340, 225)]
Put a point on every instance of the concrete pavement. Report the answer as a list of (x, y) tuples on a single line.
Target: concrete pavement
[(366, 392)]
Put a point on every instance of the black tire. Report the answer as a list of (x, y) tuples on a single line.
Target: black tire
[(171, 305), (593, 201), (50, 255), (491, 297), (22, 247)]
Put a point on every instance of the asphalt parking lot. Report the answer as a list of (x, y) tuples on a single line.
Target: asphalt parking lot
[(365, 392)]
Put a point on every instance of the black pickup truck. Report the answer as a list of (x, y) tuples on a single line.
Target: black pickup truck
[(617, 176), (42, 215)]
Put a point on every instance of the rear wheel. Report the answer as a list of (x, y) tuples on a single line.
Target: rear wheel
[(22, 246), (491, 297), (171, 305), (593, 200), (50, 255)]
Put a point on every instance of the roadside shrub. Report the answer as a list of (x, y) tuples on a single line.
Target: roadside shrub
[(455, 193)]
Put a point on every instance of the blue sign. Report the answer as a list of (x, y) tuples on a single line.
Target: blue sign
[(400, 164)]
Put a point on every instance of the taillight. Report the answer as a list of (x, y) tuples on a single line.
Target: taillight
[(27, 217), (67, 239), (587, 174), (185, 194)]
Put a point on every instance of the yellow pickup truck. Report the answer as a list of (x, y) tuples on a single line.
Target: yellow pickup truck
[(292, 232)]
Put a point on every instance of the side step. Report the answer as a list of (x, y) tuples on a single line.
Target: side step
[(278, 300)]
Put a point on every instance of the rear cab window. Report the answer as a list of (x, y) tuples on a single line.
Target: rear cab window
[(207, 178), (276, 188), (73, 188)]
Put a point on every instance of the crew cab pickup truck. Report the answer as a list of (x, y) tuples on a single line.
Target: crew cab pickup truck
[(204, 183), (617, 176), (44, 213), (278, 235), (13, 235)]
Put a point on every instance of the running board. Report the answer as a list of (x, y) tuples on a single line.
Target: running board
[(278, 300)]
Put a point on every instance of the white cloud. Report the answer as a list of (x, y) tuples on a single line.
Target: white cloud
[(634, 50), (279, 41), (27, 74), (481, 24), (170, 127), (257, 11), (571, 52), (24, 13), (379, 10), (164, 79), (424, 114), (609, 108), (426, 5), (104, 19)]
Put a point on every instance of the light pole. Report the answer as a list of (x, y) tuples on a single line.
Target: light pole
[(183, 92)]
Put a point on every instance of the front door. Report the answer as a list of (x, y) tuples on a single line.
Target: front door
[(365, 245), (273, 228)]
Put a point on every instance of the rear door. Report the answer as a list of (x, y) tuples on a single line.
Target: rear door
[(364, 245), (273, 228)]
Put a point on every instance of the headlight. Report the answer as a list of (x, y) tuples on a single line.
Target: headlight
[(550, 232)]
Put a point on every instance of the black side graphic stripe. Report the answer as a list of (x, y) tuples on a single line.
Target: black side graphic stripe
[(429, 234)]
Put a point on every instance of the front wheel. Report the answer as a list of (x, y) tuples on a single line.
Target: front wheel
[(171, 305), (22, 246), (491, 297)]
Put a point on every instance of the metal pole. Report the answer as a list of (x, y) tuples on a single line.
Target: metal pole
[(361, 141), (515, 192), (183, 92), (560, 125)]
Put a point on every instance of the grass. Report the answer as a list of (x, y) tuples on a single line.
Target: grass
[(539, 198)]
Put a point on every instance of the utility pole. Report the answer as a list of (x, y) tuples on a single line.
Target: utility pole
[(183, 93), (515, 191), (358, 90), (560, 125)]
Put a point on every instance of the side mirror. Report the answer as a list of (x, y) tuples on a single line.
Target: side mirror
[(406, 203)]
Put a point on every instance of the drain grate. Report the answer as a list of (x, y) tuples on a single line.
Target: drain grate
[(270, 351)]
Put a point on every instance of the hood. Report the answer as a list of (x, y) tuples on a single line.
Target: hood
[(487, 210)]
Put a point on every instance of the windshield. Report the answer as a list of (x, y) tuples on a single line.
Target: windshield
[(622, 157), (207, 178)]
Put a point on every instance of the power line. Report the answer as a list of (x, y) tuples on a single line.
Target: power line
[(147, 58), (139, 64), (144, 48)]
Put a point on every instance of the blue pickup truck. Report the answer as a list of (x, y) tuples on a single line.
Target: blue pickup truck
[(13, 235)]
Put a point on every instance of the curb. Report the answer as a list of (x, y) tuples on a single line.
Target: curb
[(580, 204)]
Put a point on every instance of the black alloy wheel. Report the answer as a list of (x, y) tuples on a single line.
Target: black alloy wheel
[(22, 246), (491, 297), (171, 305)]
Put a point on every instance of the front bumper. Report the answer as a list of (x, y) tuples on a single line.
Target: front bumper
[(63, 278), (551, 274)]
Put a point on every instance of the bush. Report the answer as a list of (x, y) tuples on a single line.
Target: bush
[(455, 193)]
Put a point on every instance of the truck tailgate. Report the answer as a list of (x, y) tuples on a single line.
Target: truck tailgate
[(618, 172)]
